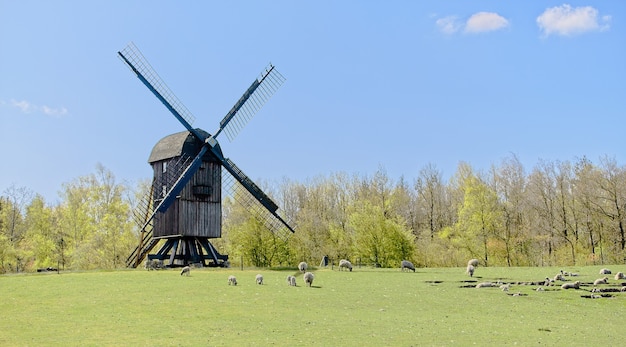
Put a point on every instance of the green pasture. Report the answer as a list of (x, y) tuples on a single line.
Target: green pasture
[(366, 307)]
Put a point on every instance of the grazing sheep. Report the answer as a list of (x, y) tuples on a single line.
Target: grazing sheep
[(259, 279), (604, 280), (232, 280), (472, 262), (623, 289), (485, 285), (605, 271), (505, 287), (405, 264), (620, 276), (559, 277), (153, 264), (470, 270), (308, 278), (540, 289), (574, 285), (345, 264), (302, 267), (185, 270), (291, 281)]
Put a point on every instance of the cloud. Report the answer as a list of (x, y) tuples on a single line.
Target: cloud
[(448, 25), (480, 22), (28, 107), (485, 21), (567, 21)]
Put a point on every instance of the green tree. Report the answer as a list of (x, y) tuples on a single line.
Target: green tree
[(379, 239)]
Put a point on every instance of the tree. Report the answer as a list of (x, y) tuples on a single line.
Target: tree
[(383, 240)]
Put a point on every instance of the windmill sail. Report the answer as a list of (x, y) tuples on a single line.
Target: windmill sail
[(251, 101), (144, 71), (270, 219)]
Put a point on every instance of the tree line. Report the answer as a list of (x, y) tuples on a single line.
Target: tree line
[(559, 213)]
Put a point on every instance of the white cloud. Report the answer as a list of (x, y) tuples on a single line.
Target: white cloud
[(565, 20), (448, 25), (485, 21), (28, 107), (478, 23)]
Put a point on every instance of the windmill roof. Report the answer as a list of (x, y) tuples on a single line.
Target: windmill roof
[(175, 145)]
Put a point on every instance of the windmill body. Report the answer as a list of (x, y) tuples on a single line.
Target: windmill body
[(184, 208), (197, 211)]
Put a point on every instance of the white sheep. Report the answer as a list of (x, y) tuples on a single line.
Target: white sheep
[(259, 279), (473, 262), (605, 271), (623, 289), (308, 278), (345, 264), (291, 281), (505, 287), (485, 285), (559, 277), (574, 285), (470, 270), (185, 270), (604, 280), (302, 267), (405, 264), (232, 280), (620, 276)]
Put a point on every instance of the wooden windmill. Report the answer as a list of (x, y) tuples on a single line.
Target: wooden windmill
[(184, 207)]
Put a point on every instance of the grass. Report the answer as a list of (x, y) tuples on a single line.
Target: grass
[(366, 307)]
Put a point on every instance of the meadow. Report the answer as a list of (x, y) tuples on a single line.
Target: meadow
[(365, 307)]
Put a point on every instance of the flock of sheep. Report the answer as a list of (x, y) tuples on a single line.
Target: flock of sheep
[(472, 264), (307, 277), (554, 281)]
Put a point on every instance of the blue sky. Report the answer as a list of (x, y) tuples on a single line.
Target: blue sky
[(370, 84)]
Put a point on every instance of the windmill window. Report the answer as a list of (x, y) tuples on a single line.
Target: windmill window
[(163, 190), (201, 190), (164, 167)]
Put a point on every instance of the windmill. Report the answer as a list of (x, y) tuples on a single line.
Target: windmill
[(184, 206)]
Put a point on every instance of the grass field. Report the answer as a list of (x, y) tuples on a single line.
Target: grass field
[(366, 307)]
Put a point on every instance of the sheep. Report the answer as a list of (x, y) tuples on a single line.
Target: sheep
[(291, 281), (153, 264), (405, 264), (559, 277), (485, 285), (620, 276), (185, 270), (470, 270), (604, 280), (259, 279), (308, 278), (539, 289), (505, 287), (472, 262), (345, 264), (605, 271), (302, 267), (574, 285), (232, 280), (623, 289)]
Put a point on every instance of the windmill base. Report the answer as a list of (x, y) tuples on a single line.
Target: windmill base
[(185, 250)]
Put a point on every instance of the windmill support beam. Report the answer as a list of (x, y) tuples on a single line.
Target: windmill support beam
[(184, 250)]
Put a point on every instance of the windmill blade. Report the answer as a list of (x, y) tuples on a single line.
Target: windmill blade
[(146, 74), (248, 194), (251, 101)]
